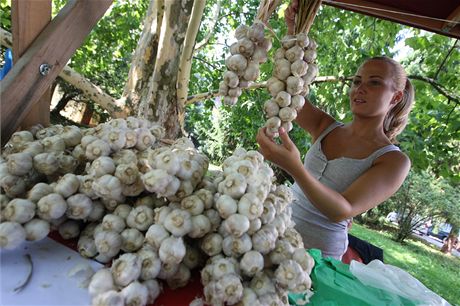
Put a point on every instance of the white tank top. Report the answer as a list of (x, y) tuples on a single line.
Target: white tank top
[(317, 230)]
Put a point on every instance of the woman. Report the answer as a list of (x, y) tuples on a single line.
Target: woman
[(351, 167)]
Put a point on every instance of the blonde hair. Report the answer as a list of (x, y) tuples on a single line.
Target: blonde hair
[(396, 119)]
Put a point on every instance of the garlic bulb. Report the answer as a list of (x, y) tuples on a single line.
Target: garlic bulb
[(155, 235), (102, 281), (36, 229), (180, 278), (107, 186), (86, 246), (178, 222), (101, 166), (69, 229), (79, 206), (288, 274), (19, 163), (150, 263), (140, 217), (132, 240), (51, 206), (304, 259), (154, 289), (12, 234), (200, 226), (126, 269), (251, 263), (172, 250), (19, 210), (135, 294), (108, 243), (231, 287), (112, 222), (237, 224)]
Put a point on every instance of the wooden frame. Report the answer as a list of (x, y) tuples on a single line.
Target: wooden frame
[(54, 46), (381, 11)]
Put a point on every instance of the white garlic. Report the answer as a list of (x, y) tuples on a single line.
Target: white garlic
[(126, 269), (150, 263), (140, 217), (108, 243), (36, 229), (178, 222), (12, 234), (132, 240), (107, 186), (236, 246), (200, 226), (180, 278), (237, 224), (51, 206), (46, 163), (96, 149), (251, 263), (155, 235), (67, 185), (135, 294), (172, 250), (288, 274), (19, 210), (19, 163), (86, 246), (154, 289), (102, 281), (69, 229), (304, 259), (101, 166)]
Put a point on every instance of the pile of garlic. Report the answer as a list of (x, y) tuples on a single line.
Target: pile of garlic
[(293, 72), (247, 54), (156, 213), (59, 177), (256, 255)]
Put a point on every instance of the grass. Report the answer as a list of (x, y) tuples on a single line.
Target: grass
[(437, 271)]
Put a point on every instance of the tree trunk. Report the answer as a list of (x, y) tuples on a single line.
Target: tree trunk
[(159, 98), (143, 61)]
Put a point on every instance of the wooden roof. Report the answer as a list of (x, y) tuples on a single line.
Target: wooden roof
[(430, 15)]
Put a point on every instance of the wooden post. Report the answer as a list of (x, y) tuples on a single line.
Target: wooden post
[(41, 63), (28, 19)]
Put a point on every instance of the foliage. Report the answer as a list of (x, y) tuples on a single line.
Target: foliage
[(423, 197), (437, 271)]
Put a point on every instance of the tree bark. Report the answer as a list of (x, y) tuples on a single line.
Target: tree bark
[(143, 61), (185, 65), (159, 98)]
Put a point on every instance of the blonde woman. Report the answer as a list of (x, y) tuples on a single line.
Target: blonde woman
[(350, 167)]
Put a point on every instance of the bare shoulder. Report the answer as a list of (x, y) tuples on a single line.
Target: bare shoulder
[(396, 162)]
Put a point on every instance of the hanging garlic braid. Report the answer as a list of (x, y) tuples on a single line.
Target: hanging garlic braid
[(396, 118)]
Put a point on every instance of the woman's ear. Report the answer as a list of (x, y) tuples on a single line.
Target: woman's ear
[(397, 97)]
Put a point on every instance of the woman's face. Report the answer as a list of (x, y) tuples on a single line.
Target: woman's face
[(372, 92)]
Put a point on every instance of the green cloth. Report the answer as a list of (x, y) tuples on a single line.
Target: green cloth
[(334, 285)]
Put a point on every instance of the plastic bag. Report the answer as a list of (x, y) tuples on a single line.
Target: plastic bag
[(393, 279)]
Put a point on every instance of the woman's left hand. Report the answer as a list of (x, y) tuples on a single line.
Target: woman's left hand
[(285, 155)]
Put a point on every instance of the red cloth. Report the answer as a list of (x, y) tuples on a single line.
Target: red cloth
[(350, 255)]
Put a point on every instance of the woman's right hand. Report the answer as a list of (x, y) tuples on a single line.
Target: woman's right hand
[(285, 155)]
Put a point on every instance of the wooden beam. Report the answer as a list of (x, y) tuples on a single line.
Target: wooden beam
[(455, 17), (382, 11), (24, 84), (28, 19)]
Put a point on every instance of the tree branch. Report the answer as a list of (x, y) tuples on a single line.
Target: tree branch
[(445, 59), (185, 64), (210, 33), (436, 86)]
